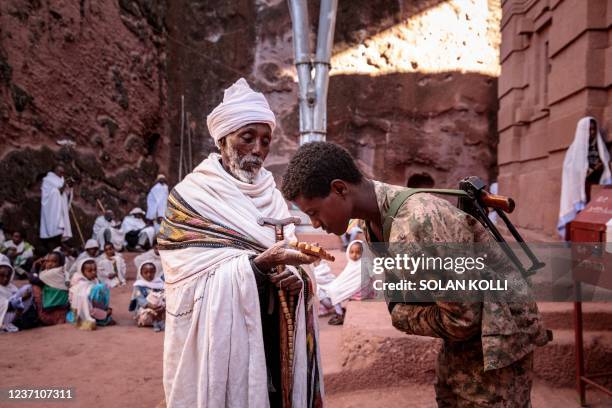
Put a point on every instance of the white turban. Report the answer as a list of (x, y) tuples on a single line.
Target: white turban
[(240, 107), (91, 243), (137, 210)]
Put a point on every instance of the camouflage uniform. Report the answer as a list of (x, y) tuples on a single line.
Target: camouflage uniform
[(487, 356)]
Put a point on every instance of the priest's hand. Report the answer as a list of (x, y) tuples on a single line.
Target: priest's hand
[(287, 281), (280, 254)]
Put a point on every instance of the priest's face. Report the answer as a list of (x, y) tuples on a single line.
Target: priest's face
[(244, 151)]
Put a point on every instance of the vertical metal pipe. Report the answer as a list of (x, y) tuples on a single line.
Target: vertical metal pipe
[(299, 17), (325, 43)]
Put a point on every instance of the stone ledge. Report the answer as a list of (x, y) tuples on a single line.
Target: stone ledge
[(374, 354)]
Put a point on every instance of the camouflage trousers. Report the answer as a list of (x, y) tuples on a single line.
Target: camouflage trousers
[(462, 382)]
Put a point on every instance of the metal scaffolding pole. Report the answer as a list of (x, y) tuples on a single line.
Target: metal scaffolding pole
[(312, 96)]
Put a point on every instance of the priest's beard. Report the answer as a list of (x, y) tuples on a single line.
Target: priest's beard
[(238, 165)]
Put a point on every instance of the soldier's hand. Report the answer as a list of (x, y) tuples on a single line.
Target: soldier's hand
[(287, 281), (280, 254)]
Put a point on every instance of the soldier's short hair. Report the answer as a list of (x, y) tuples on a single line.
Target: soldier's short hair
[(314, 166)]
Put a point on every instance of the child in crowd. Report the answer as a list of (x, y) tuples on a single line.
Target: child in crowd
[(324, 277), (20, 253), (111, 267), (152, 255), (16, 307), (89, 299), (148, 303), (348, 284), (91, 251), (50, 289)]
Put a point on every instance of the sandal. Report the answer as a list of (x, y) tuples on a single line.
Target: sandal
[(336, 320)]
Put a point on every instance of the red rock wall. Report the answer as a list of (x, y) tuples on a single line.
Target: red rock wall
[(433, 114), (92, 72), (413, 90)]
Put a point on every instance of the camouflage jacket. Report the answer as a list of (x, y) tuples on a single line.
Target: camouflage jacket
[(508, 331)]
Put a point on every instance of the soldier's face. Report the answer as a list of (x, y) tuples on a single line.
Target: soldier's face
[(243, 152), (332, 213)]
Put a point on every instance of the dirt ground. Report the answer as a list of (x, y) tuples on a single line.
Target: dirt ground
[(121, 366)]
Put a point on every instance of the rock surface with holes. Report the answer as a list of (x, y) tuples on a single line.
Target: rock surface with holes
[(92, 73)]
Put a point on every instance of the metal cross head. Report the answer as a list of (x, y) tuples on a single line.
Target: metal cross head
[(278, 224)]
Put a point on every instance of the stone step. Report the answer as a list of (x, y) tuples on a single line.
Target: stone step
[(373, 353), (596, 316)]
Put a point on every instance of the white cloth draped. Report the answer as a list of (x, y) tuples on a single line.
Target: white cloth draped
[(350, 281), (100, 226), (54, 211), (156, 201), (21, 249), (323, 276), (131, 223), (149, 256), (575, 168), (55, 277), (108, 266), (76, 265), (213, 351), (6, 292), (78, 294)]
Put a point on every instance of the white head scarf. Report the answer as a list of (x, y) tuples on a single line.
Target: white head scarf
[(5, 261), (575, 167), (137, 210), (156, 283), (241, 106), (91, 243)]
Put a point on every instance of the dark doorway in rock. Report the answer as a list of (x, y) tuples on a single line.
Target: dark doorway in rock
[(420, 180)]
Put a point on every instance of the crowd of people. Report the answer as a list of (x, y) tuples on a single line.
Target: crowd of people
[(66, 286)]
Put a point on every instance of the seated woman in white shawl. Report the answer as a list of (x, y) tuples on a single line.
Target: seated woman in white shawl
[(238, 334), (15, 303), (106, 229), (350, 284), (89, 299), (111, 267), (587, 162), (148, 303), (138, 235)]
